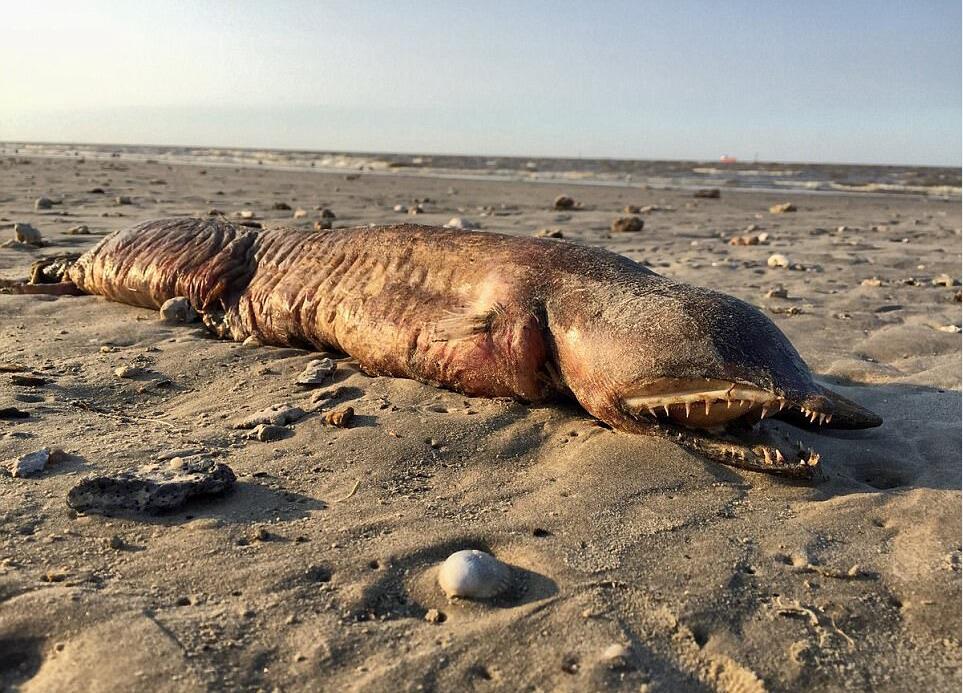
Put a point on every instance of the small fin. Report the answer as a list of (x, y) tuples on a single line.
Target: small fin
[(466, 323)]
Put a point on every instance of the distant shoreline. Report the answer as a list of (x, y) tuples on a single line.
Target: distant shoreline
[(778, 178)]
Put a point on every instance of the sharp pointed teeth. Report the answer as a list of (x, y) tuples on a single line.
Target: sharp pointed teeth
[(651, 411), (782, 404), (765, 412), (666, 408), (728, 403), (708, 406), (688, 407), (829, 417), (765, 452), (779, 457), (822, 419)]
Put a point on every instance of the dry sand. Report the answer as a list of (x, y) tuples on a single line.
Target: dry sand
[(701, 577)]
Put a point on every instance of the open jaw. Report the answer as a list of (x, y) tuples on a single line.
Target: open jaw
[(721, 420)]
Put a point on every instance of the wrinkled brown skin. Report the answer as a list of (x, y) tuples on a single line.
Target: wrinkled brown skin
[(480, 313)]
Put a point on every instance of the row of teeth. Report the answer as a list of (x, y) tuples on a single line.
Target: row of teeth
[(741, 396), (777, 457)]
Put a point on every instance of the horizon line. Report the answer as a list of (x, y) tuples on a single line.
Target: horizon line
[(479, 156)]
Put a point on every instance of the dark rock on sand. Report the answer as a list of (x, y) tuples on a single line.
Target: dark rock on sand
[(152, 488), (627, 224), (564, 202)]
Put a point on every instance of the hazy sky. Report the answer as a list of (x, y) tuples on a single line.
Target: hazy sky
[(875, 82)]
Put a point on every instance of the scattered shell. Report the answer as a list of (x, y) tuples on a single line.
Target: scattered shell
[(750, 239), (564, 202), (461, 223), (341, 418), (708, 193), (316, 372), (177, 309), (79, 230), (152, 488), (300, 213), (782, 208), (778, 260), (128, 371), (25, 233), (473, 574), (549, 233), (945, 280), (35, 462), (244, 214), (627, 225), (275, 415), (267, 432), (872, 281)]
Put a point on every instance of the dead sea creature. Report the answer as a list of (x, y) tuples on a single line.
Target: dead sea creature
[(488, 315), (473, 574)]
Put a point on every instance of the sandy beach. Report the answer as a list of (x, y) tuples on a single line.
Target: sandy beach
[(636, 565)]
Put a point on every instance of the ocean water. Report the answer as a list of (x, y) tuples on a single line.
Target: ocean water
[(815, 178)]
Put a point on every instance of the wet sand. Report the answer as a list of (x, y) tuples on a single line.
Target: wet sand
[(637, 565)]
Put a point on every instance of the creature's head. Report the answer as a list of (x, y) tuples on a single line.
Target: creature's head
[(636, 352)]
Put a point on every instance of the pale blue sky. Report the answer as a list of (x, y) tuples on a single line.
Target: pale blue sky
[(874, 82)]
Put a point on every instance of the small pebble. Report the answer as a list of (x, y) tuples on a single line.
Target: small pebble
[(782, 208), (435, 616), (268, 432), (778, 260), (563, 202), (461, 223), (627, 225), (341, 418), (128, 371), (26, 233)]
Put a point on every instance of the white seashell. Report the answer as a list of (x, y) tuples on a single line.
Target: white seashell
[(474, 575), (316, 372), (777, 260), (177, 309), (461, 223)]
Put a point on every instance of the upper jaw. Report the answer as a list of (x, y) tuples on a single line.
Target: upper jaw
[(709, 403)]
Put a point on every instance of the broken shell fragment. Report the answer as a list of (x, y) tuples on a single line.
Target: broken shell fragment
[(316, 372), (473, 574)]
